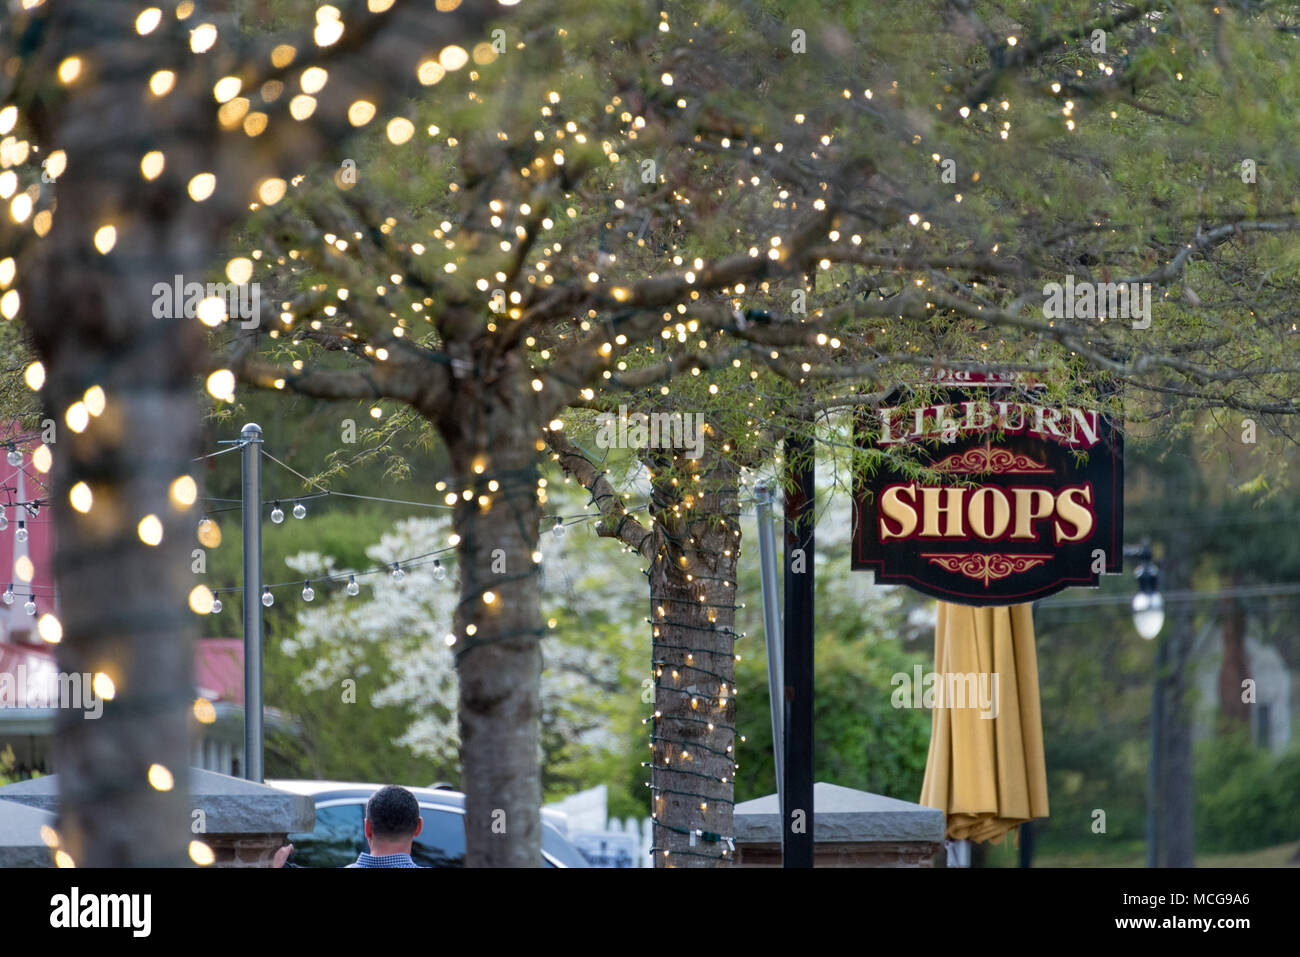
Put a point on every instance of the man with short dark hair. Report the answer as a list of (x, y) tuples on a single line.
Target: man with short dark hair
[(392, 823)]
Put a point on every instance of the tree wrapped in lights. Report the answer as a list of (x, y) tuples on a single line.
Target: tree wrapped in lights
[(135, 135), (919, 176)]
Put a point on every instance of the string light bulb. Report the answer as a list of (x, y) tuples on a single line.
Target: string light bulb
[(30, 607), (277, 514), (307, 592), (4, 521), (439, 573), (398, 574), (558, 528), (8, 596), (299, 510), (15, 457), (21, 534), (216, 606), (352, 587), (267, 598)]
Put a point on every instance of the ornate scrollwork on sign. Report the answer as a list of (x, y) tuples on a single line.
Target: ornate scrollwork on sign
[(982, 459), (986, 567)]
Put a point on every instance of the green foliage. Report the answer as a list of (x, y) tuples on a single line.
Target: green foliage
[(7, 764), (860, 739), (1245, 796), (328, 738), (862, 640), (17, 401), (1062, 169), (596, 735), (334, 740)]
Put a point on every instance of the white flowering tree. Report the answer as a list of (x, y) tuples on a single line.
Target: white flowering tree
[(587, 660)]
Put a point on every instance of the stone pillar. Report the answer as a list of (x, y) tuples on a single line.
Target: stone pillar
[(21, 844), (243, 822), (241, 850), (852, 829)]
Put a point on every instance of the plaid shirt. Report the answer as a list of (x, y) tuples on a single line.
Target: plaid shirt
[(384, 860)]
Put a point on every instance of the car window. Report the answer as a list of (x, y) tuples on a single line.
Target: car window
[(558, 846), (340, 836), (442, 841), (337, 840)]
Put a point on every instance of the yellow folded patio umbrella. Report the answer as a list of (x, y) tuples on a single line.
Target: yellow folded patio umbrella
[(987, 774)]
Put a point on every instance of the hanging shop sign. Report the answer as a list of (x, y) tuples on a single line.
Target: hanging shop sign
[(1028, 500)]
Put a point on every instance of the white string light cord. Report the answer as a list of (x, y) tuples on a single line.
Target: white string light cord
[(395, 568), (560, 520), (32, 507), (15, 458), (235, 446), (367, 498)]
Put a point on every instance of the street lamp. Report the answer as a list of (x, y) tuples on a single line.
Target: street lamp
[(1148, 606)]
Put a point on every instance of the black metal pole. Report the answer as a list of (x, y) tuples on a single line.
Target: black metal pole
[(252, 508), (1147, 579), (1154, 768), (1027, 844), (797, 813)]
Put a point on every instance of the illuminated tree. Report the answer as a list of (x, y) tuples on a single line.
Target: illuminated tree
[(135, 135), (818, 203)]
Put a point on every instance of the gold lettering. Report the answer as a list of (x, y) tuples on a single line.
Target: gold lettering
[(952, 510), (1080, 516), (1031, 505), (893, 507), (978, 515)]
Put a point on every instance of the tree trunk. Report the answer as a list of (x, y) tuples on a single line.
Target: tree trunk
[(498, 642), (1234, 713), (122, 602), (692, 605)]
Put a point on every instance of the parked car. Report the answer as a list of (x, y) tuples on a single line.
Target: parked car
[(340, 836)]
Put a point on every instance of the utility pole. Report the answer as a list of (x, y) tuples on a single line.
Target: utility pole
[(1148, 618), (772, 632), (251, 437), (1155, 768), (797, 813)]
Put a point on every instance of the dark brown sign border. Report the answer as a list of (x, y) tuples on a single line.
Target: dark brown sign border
[(972, 570)]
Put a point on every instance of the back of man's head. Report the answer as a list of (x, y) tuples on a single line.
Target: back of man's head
[(393, 813)]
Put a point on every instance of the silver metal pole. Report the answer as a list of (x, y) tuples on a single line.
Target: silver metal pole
[(252, 490), (772, 630)]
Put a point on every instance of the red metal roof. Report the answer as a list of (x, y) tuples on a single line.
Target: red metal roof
[(218, 667)]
